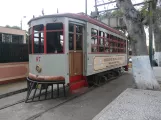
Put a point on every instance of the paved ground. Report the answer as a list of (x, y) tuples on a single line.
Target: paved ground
[(84, 107), (12, 87), (133, 104), (157, 73), (90, 104)]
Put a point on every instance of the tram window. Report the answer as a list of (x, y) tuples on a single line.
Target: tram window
[(94, 44), (54, 37), (111, 37), (38, 39), (54, 26), (79, 37), (101, 41), (79, 29), (106, 43), (78, 42), (94, 40), (71, 27), (54, 42), (71, 41), (101, 48), (105, 35), (94, 49), (94, 32)]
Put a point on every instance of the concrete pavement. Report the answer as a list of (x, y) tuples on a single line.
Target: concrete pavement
[(12, 88), (84, 107), (90, 104), (133, 104)]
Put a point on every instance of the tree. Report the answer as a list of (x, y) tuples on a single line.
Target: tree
[(14, 27), (142, 71)]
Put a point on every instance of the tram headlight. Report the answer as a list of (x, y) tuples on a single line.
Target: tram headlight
[(38, 68)]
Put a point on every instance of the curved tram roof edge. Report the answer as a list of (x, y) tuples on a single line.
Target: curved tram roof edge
[(83, 18)]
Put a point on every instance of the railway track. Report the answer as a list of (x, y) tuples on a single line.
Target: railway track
[(55, 106)]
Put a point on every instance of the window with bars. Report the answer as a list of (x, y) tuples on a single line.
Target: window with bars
[(104, 42)]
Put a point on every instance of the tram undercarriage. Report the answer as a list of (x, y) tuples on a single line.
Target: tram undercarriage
[(104, 77)]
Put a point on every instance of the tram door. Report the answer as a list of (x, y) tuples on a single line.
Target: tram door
[(75, 49)]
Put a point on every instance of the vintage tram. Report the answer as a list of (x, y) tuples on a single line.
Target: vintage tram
[(67, 48)]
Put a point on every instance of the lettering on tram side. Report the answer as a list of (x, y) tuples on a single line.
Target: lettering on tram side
[(102, 62), (38, 59)]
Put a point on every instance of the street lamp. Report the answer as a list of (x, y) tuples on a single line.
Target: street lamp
[(21, 21)]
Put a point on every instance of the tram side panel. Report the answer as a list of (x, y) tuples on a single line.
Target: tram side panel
[(100, 62)]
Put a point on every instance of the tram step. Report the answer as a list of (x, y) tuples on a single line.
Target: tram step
[(76, 78), (77, 85)]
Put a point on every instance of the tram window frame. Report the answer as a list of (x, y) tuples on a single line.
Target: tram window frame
[(61, 33), (40, 44)]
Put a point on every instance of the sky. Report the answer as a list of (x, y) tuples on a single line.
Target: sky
[(12, 11)]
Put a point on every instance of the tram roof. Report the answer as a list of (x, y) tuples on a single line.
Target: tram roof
[(83, 18)]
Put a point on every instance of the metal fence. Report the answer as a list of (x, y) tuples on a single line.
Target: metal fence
[(13, 52)]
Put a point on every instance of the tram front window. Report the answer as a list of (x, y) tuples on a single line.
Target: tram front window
[(38, 39), (54, 37)]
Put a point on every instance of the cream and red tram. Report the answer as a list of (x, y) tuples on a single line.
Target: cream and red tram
[(71, 47)]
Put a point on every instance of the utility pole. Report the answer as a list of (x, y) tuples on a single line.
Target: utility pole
[(86, 7), (21, 21), (21, 24), (151, 34), (96, 10)]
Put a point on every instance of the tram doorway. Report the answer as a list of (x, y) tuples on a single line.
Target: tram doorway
[(75, 49)]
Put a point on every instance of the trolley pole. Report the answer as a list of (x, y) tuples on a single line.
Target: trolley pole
[(151, 34)]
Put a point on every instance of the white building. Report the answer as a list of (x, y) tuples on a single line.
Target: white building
[(11, 35)]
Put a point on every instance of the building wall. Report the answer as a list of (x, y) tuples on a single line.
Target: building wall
[(14, 32), (13, 71)]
